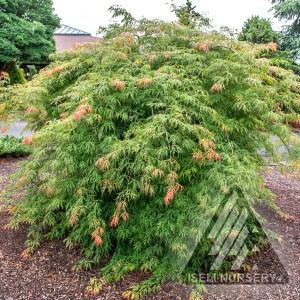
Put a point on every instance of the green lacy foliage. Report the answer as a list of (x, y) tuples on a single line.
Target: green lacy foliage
[(259, 30), (11, 146), (17, 75), (284, 59), (141, 138), (4, 81)]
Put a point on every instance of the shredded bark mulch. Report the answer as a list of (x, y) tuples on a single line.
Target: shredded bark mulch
[(48, 273)]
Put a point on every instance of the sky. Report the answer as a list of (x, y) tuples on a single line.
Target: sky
[(88, 15)]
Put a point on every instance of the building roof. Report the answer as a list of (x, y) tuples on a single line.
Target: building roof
[(67, 37), (68, 30), (64, 42)]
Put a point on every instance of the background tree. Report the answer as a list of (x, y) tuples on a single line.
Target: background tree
[(258, 30), (289, 10), (26, 31), (126, 20), (188, 16)]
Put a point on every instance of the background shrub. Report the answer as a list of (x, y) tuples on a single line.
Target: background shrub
[(11, 146), (17, 75)]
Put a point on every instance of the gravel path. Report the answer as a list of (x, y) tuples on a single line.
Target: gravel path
[(48, 273)]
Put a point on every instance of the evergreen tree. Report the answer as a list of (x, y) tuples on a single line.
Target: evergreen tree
[(17, 75), (289, 10), (258, 30), (139, 141)]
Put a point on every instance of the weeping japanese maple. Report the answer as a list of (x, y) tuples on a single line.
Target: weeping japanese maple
[(141, 138)]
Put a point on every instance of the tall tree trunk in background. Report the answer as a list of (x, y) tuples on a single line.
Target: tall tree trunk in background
[(6, 67)]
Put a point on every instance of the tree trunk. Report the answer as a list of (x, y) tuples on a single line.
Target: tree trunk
[(6, 67)]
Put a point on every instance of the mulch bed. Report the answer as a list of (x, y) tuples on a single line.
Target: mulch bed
[(48, 273)]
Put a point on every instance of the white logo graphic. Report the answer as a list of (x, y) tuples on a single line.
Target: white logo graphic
[(229, 234)]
